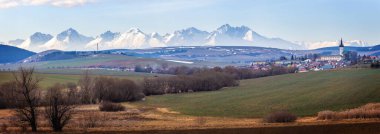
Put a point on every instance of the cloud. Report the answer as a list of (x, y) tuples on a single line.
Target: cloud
[(57, 3)]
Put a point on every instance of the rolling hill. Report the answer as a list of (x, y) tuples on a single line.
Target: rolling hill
[(52, 76), (10, 54), (303, 94)]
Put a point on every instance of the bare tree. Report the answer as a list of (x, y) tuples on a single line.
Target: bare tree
[(27, 95), (59, 107), (85, 84)]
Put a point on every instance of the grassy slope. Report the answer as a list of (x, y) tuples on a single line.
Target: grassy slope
[(50, 77), (303, 94)]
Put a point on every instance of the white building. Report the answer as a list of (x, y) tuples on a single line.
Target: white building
[(334, 57)]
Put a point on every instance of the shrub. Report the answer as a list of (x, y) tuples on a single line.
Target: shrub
[(326, 115), (4, 127), (91, 120), (370, 110), (111, 107), (280, 116), (200, 121)]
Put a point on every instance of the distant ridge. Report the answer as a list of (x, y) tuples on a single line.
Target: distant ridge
[(134, 38), (11, 54)]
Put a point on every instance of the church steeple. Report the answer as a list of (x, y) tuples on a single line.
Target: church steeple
[(341, 43), (341, 47)]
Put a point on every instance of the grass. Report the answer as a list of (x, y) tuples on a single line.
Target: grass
[(303, 94), (50, 76)]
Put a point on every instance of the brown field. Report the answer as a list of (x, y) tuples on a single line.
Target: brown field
[(138, 119)]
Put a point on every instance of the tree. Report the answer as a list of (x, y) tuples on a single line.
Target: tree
[(59, 107), (27, 96), (139, 68), (85, 84), (283, 58)]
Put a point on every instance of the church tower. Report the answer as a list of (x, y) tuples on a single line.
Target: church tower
[(341, 47)]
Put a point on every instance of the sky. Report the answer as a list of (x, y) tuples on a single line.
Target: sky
[(293, 20)]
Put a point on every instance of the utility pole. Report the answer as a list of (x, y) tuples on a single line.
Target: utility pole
[(97, 47)]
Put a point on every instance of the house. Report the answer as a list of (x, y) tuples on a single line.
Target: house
[(327, 67)]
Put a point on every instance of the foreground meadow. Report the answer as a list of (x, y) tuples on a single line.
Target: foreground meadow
[(231, 109), (303, 94)]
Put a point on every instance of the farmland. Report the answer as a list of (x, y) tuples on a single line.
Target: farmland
[(234, 108), (304, 94), (52, 76)]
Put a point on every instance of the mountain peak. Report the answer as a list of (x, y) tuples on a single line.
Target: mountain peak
[(108, 35), (189, 31), (154, 34), (40, 35), (225, 25), (71, 30), (67, 33), (134, 30)]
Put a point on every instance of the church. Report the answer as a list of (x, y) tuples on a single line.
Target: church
[(335, 57)]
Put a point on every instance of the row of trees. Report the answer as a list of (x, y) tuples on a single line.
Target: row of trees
[(98, 89), (237, 73), (23, 94), (203, 81)]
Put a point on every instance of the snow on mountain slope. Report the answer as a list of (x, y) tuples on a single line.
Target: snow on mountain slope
[(225, 35), (132, 39), (34, 42), (156, 40), (244, 36), (67, 40), (103, 41), (321, 44), (186, 37)]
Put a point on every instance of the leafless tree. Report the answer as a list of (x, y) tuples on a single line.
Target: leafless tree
[(59, 107), (86, 84), (27, 95)]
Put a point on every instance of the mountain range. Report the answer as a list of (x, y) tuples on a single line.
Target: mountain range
[(134, 38)]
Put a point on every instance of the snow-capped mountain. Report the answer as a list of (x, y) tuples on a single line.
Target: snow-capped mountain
[(103, 41), (35, 41), (234, 36), (315, 45), (186, 37), (15, 42), (134, 38), (67, 40), (131, 39)]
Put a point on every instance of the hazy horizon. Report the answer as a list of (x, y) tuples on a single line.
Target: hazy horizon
[(296, 20)]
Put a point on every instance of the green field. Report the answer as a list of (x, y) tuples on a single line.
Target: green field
[(50, 76), (303, 94)]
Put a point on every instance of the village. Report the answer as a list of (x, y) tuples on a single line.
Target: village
[(317, 62)]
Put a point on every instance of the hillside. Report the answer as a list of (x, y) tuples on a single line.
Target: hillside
[(52, 76), (303, 94), (10, 54)]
